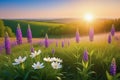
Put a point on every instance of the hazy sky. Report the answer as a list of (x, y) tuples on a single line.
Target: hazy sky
[(59, 8)]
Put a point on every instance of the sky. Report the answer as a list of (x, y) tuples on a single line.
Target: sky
[(47, 9)]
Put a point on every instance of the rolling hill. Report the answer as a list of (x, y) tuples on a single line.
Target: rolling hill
[(39, 29)]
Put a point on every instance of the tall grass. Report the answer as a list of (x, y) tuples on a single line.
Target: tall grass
[(101, 58)]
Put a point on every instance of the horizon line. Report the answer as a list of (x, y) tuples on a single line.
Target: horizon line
[(53, 18)]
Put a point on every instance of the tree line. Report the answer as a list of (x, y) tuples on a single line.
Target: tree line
[(4, 29)]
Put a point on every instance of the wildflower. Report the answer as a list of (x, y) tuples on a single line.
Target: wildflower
[(53, 51), (7, 44), (56, 60), (113, 67), (32, 49), (77, 36), (19, 60), (35, 53), (113, 30), (53, 59), (91, 34), (29, 34), (46, 41), (85, 56), (56, 65), (19, 35), (47, 59), (38, 65), (62, 44), (109, 38)]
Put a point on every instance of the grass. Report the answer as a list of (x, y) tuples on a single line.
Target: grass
[(101, 58)]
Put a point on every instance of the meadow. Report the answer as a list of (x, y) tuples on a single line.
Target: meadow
[(100, 55), (59, 40)]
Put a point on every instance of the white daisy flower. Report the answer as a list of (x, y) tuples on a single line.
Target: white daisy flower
[(19, 60), (47, 59), (38, 65), (35, 53), (56, 60), (56, 65), (53, 59)]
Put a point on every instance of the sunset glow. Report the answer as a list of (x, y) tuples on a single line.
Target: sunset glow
[(58, 8), (88, 17)]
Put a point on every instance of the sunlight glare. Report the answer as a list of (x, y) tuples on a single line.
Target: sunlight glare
[(88, 17)]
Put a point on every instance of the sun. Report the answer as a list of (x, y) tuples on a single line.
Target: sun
[(88, 17)]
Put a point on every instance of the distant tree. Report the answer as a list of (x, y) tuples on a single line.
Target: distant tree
[(42, 33), (9, 31), (2, 28)]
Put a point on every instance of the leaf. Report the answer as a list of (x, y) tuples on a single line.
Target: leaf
[(91, 53), (109, 77), (22, 66), (27, 74), (91, 72), (117, 75), (83, 64), (59, 78), (60, 74), (86, 64), (79, 63), (78, 69)]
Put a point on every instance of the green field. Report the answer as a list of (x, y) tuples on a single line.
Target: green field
[(38, 28)]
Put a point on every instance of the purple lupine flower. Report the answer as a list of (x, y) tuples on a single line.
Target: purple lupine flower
[(31, 49), (113, 67), (113, 30), (109, 38), (85, 56), (7, 44), (29, 34), (53, 51), (77, 36), (46, 41), (56, 43), (62, 44), (91, 34), (19, 35)]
